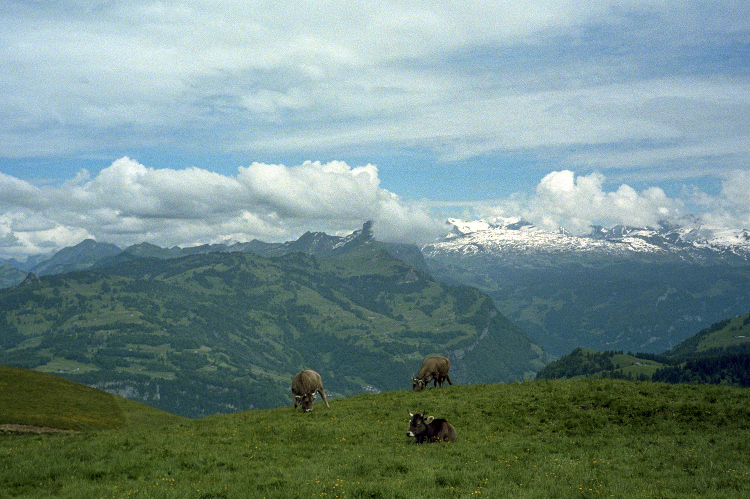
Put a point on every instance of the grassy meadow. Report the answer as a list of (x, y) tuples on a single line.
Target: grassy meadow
[(550, 439)]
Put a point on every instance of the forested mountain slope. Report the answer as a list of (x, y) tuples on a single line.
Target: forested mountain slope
[(219, 332)]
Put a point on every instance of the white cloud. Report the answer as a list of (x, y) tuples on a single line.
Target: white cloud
[(313, 189), (128, 203), (643, 90), (732, 207), (577, 203)]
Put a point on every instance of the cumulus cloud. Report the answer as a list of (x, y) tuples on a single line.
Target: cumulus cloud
[(575, 203), (128, 202), (731, 207), (313, 189)]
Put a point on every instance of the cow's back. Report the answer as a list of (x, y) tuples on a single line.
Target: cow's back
[(434, 366), (307, 381)]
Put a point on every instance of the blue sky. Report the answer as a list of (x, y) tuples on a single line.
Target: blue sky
[(208, 121)]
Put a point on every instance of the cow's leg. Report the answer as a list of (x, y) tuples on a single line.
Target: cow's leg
[(323, 394)]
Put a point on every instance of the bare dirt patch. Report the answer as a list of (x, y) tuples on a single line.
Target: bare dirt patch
[(22, 428)]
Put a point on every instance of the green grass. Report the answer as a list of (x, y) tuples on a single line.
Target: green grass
[(38, 399), (736, 332), (550, 439), (633, 366)]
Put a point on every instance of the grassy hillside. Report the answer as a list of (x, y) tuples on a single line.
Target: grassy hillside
[(610, 364), (552, 439), (222, 332), (719, 354), (31, 398), (729, 335)]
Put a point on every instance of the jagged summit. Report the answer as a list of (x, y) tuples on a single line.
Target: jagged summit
[(31, 278), (90, 253)]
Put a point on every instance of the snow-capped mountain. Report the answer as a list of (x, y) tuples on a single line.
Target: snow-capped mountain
[(619, 288), (507, 237)]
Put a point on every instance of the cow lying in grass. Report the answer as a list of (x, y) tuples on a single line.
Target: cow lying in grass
[(304, 386), (428, 429)]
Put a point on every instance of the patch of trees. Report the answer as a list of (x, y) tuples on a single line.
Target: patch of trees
[(578, 363), (719, 366), (731, 369), (28, 358), (9, 335)]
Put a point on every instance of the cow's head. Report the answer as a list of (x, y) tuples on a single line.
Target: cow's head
[(417, 385), (306, 401), (418, 424)]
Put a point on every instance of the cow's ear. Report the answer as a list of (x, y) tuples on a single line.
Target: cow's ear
[(429, 419)]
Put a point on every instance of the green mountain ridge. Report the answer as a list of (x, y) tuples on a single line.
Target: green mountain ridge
[(221, 332), (719, 354)]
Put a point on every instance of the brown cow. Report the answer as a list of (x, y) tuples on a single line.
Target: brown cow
[(433, 369), (428, 429), (304, 386)]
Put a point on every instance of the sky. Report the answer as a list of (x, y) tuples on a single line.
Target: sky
[(190, 122)]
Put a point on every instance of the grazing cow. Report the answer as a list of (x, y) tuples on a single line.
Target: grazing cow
[(433, 369), (429, 429), (304, 386)]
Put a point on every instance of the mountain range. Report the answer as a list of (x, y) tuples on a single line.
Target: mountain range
[(620, 288), (514, 238), (636, 289), (219, 331)]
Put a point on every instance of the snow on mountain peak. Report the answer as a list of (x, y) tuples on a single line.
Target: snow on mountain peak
[(514, 235)]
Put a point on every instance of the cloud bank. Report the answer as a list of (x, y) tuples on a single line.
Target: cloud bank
[(576, 203), (129, 203)]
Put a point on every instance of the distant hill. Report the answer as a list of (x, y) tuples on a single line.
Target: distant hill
[(11, 275), (82, 256), (35, 401), (226, 331), (719, 354), (90, 254)]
